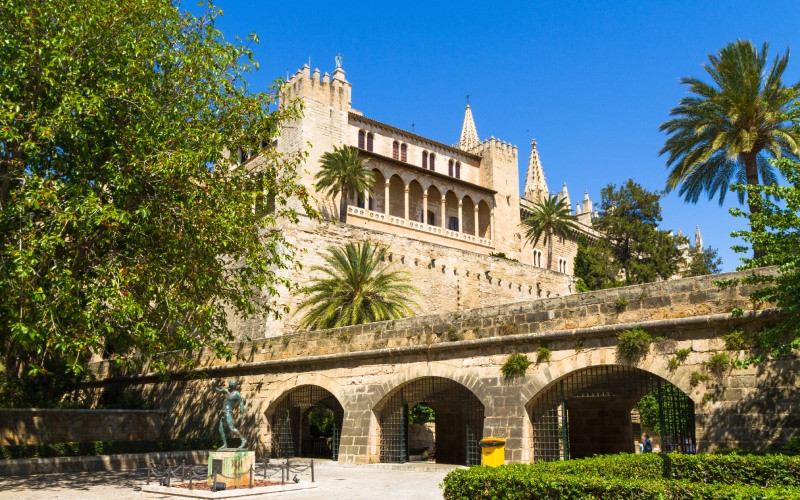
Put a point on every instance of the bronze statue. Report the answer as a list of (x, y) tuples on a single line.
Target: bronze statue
[(232, 395), (338, 60)]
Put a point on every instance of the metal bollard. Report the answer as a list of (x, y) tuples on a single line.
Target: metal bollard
[(266, 463), (183, 470), (251, 475), (214, 484), (191, 476), (282, 468), (148, 474), (312, 471)]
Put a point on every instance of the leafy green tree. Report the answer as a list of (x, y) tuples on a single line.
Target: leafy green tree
[(673, 404), (344, 173), (778, 233), (703, 261), (727, 130), (595, 265), (551, 217), (421, 414), (629, 217), (355, 288), (126, 231)]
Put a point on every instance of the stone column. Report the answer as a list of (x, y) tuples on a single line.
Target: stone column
[(406, 202), (425, 207), (476, 221), (460, 217), (443, 213), (491, 224), (386, 198), (366, 199)]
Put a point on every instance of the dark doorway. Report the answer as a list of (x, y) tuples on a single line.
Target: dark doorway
[(458, 421), (588, 412), (307, 423)]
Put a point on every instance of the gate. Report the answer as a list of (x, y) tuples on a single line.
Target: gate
[(287, 420), (459, 421), (605, 390)]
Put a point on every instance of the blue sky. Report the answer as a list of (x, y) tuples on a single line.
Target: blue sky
[(591, 81)]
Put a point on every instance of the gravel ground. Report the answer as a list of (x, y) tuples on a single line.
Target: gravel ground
[(412, 482)]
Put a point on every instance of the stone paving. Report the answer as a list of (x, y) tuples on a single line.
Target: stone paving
[(405, 482)]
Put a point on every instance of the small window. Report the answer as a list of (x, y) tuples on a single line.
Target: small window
[(452, 223), (432, 162), (361, 135), (360, 200), (396, 150), (403, 152), (370, 202), (370, 138), (431, 218), (458, 170), (450, 168), (424, 159)]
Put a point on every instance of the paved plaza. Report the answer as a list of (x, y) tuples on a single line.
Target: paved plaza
[(333, 481)]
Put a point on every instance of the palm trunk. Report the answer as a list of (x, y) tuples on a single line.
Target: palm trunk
[(550, 249), (343, 206), (753, 200)]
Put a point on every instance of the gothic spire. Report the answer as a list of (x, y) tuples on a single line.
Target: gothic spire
[(535, 184), (469, 134), (698, 239)]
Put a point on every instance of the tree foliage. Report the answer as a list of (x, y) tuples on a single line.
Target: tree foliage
[(551, 217), (673, 406), (703, 261), (344, 173), (727, 130), (629, 217), (355, 287), (779, 234), (125, 228), (595, 265)]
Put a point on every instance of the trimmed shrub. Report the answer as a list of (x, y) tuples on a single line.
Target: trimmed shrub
[(90, 448), (633, 476)]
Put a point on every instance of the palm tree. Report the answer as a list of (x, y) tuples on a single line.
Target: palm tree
[(344, 173), (727, 130), (551, 217), (355, 288)]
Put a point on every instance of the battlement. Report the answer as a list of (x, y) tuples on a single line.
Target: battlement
[(330, 90), (495, 146)]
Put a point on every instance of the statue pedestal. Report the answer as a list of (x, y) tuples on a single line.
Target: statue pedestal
[(235, 470)]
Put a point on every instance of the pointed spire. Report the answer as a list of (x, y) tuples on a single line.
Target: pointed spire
[(469, 134), (535, 184), (698, 239), (564, 195), (587, 203)]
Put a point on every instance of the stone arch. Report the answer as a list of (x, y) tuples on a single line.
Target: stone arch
[(378, 198), (397, 196), (582, 407), (281, 389), (415, 201), (484, 219), (451, 211), (434, 206), (468, 209)]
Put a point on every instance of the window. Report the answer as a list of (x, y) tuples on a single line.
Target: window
[(360, 200), (458, 170), (424, 159), (403, 152), (452, 223), (361, 135), (450, 168), (432, 162), (562, 265), (537, 258), (370, 137), (396, 150), (431, 218)]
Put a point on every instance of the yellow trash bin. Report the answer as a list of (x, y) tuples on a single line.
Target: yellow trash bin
[(493, 451)]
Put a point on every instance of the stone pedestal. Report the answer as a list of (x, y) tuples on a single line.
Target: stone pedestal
[(235, 469)]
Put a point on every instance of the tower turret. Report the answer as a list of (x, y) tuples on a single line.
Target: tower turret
[(469, 134), (698, 239), (563, 196), (535, 183)]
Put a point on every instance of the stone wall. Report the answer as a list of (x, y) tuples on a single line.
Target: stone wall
[(41, 426), (449, 279), (362, 366)]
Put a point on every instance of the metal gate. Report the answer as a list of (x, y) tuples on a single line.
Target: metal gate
[(550, 411), (287, 420), (447, 398)]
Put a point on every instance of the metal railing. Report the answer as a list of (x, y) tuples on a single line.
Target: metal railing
[(165, 474)]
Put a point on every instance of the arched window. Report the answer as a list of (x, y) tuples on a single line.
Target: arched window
[(431, 218), (361, 135), (450, 168), (403, 152), (396, 150), (432, 162), (424, 159), (370, 137), (458, 170)]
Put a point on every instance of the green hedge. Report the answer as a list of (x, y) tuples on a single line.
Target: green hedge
[(103, 448), (633, 476)]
